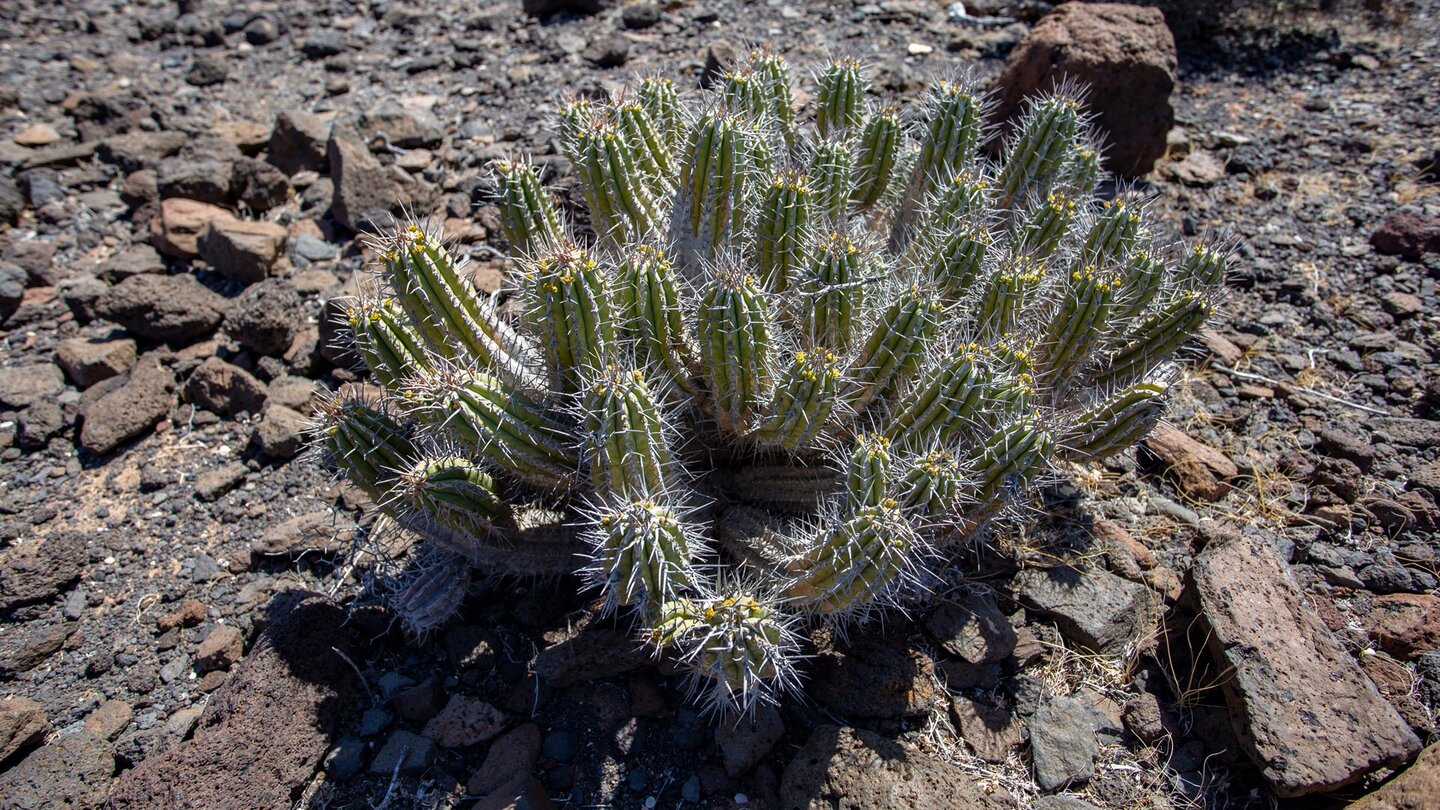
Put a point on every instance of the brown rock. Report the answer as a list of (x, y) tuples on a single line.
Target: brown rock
[(1407, 234), (522, 793), (1126, 57), (1199, 470), (241, 250), (1197, 169), (281, 433), (464, 721), (264, 731), (1301, 708), (1405, 624), (1091, 606), (297, 142), (366, 194), (21, 386), (131, 409), (512, 756), (1416, 788), (747, 740), (176, 232), (73, 772), (109, 719), (848, 767), (87, 362), (224, 388), (22, 724), (220, 650), (266, 317), (189, 614), (315, 531)]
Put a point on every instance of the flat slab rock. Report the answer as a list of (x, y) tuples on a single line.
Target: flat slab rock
[(264, 731), (848, 767), (1307, 715), (1092, 606)]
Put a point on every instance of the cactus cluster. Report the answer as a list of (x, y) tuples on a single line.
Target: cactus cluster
[(786, 361)]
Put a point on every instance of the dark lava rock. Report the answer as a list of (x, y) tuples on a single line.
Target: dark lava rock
[(38, 570), (1310, 719), (875, 677), (208, 69), (259, 184), (544, 8), (168, 308), (298, 142), (266, 728), (1126, 57), (131, 408), (266, 317), (366, 194), (224, 388), (74, 771)]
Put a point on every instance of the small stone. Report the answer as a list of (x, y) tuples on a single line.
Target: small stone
[(558, 746), (868, 770), (1197, 169), (207, 69), (346, 759), (608, 52), (401, 126), (639, 16), (220, 650), (1405, 624), (465, 721), (973, 628), (189, 614), (37, 135), (418, 703), (87, 362), (410, 752), (366, 194), (75, 771), (1306, 714), (312, 532), (875, 677), (298, 142), (594, 653), (1408, 235), (206, 181), (373, 721), (1124, 54), (259, 185), (130, 409), (989, 727), (323, 43), (211, 485), (135, 260), (1064, 741)]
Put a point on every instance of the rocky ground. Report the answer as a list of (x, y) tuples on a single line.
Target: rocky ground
[(1244, 611)]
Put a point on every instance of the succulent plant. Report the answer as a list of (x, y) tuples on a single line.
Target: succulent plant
[(795, 360)]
